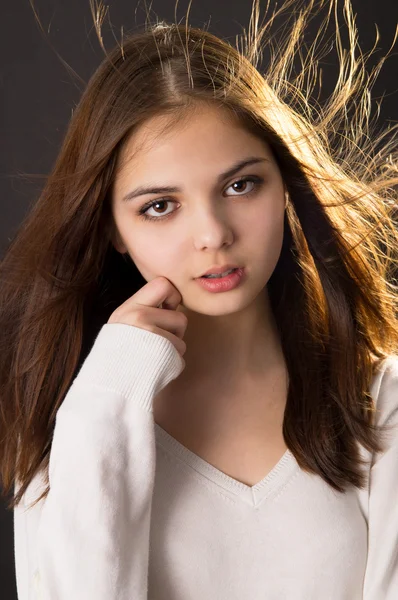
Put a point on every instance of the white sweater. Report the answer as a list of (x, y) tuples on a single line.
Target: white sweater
[(134, 515)]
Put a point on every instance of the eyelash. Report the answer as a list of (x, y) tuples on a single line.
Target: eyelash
[(258, 181)]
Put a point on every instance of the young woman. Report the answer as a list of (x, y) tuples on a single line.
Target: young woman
[(173, 436)]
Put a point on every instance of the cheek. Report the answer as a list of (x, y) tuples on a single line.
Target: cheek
[(266, 234), (152, 257), (266, 223)]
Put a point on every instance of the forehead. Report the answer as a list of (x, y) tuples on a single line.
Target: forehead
[(201, 132)]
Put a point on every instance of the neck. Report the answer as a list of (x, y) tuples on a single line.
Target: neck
[(231, 348)]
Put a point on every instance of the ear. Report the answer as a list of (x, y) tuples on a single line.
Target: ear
[(286, 195), (284, 188), (118, 244), (113, 235)]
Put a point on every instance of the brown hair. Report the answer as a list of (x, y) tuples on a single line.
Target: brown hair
[(331, 292)]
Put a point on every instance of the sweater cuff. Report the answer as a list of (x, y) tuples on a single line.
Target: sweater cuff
[(131, 361)]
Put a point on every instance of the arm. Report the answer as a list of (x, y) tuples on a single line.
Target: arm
[(381, 580), (93, 533)]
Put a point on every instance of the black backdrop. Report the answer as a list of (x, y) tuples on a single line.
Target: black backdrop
[(38, 93)]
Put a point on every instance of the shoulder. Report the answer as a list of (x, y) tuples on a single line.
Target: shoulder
[(384, 390)]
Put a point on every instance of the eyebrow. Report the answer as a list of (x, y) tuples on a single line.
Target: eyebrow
[(142, 190)]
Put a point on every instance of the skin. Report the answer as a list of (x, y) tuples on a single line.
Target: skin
[(233, 348)]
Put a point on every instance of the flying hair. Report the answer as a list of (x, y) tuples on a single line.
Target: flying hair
[(333, 291)]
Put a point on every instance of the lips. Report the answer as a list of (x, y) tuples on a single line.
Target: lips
[(217, 270), (220, 275)]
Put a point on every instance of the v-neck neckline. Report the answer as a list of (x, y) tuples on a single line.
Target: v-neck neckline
[(275, 479)]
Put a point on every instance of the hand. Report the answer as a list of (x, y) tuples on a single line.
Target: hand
[(153, 308)]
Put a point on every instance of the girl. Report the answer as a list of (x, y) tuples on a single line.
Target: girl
[(173, 436)]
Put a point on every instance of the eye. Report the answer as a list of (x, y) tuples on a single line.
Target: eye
[(253, 179)]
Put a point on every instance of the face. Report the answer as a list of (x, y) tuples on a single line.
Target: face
[(208, 221)]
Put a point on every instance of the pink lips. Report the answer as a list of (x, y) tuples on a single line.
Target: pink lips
[(222, 284)]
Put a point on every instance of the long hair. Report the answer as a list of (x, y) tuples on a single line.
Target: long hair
[(332, 292)]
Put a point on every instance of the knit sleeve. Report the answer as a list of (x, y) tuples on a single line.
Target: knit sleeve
[(381, 579), (93, 533)]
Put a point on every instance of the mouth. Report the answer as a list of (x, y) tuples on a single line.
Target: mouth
[(219, 275), (216, 271), (223, 283)]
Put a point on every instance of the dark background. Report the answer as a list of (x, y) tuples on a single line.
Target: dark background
[(38, 91)]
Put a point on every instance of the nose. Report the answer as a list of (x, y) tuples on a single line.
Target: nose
[(211, 227)]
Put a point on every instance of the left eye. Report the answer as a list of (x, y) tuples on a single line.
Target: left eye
[(244, 181), (256, 181)]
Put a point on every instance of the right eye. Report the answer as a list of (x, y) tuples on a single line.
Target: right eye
[(146, 207)]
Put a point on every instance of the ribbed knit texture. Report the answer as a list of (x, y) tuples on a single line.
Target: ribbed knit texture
[(134, 515)]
